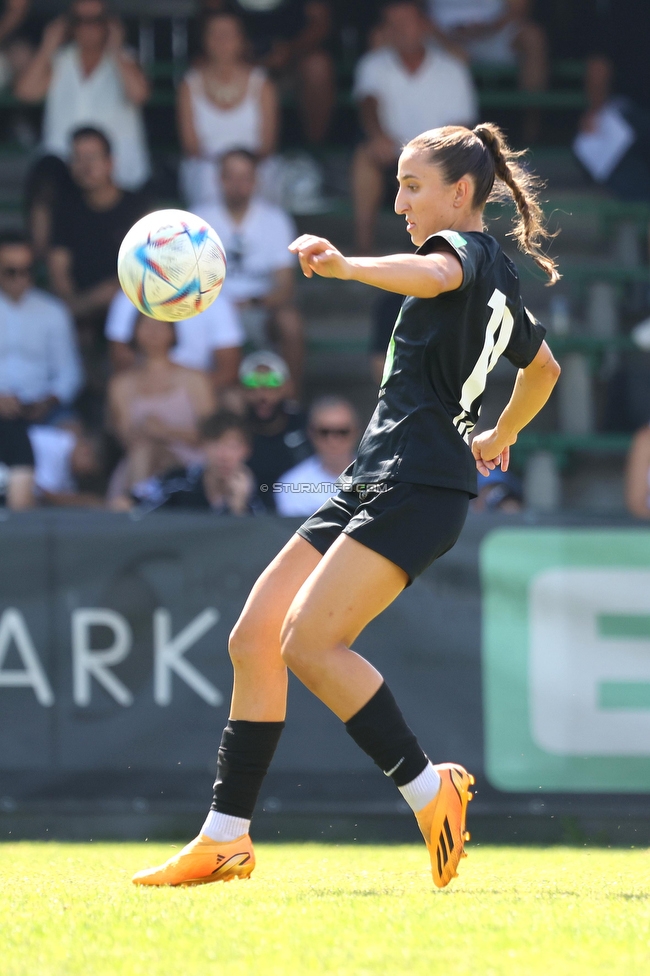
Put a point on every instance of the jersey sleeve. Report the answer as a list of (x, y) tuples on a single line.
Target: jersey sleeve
[(526, 339), (469, 252)]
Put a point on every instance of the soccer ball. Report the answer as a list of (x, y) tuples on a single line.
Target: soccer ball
[(171, 265)]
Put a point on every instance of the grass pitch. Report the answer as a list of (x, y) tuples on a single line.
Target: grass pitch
[(69, 909)]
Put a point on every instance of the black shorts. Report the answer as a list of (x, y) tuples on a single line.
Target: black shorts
[(15, 446), (412, 525)]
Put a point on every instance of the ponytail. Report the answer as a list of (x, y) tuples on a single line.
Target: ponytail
[(484, 154)]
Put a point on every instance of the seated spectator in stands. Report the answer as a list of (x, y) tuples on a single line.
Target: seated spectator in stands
[(40, 371), (67, 466), (494, 32), (290, 39), (403, 88), (223, 104), (500, 492), (222, 484), (334, 432), (616, 150), (89, 223), (210, 342), (88, 77), (279, 437), (260, 278), (637, 476), (155, 408)]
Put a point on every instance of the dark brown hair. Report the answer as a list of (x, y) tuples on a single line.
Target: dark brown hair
[(213, 428), (484, 154)]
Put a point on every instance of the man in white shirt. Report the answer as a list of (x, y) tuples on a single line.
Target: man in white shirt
[(334, 431), (403, 88), (39, 365), (494, 32), (260, 278), (210, 341)]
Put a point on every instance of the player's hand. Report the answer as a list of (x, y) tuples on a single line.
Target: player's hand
[(491, 449), (318, 255)]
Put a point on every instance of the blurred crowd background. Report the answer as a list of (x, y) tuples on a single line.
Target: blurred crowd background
[(273, 117)]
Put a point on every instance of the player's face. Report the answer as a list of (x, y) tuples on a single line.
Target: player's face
[(227, 453), (91, 165), (237, 180), (223, 39), (428, 203)]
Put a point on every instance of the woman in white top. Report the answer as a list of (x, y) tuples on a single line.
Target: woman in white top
[(92, 81), (224, 103)]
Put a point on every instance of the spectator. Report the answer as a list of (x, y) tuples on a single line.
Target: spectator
[(155, 408), (68, 467), (494, 32), (614, 143), (87, 77), (334, 432), (260, 278), (223, 104), (222, 484), (89, 224), (40, 371), (402, 89), (290, 39), (279, 437), (501, 492), (637, 477), (88, 227), (210, 341)]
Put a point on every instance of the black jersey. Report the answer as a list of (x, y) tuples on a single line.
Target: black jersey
[(436, 369)]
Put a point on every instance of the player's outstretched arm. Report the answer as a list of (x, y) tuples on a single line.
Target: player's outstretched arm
[(420, 275), (533, 387)]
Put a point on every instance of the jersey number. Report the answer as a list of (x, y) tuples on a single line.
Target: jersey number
[(497, 337)]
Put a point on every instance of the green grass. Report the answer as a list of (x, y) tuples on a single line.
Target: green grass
[(68, 909)]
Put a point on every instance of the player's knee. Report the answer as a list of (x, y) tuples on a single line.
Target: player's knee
[(244, 644), (293, 645)]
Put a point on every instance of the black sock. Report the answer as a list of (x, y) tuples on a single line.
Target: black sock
[(380, 730), (245, 755)]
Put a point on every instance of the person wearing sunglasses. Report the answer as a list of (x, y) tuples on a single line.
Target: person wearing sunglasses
[(86, 76), (280, 440), (39, 363), (333, 429)]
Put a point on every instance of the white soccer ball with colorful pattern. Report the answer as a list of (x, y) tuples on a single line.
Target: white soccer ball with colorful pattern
[(171, 265)]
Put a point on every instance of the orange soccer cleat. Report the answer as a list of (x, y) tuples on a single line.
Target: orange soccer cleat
[(201, 861), (442, 822)]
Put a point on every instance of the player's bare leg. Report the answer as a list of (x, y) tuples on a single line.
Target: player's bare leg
[(350, 586), (259, 701)]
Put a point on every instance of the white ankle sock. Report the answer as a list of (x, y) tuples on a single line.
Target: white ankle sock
[(422, 789), (221, 827)]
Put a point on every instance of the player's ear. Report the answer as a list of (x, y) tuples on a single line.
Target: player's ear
[(463, 193)]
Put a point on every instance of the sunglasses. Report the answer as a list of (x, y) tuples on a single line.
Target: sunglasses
[(259, 381), (331, 431), (14, 272)]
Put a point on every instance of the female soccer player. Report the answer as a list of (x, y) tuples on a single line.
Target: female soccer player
[(404, 499)]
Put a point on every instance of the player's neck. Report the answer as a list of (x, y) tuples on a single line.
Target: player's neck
[(469, 222)]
